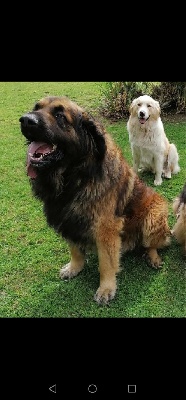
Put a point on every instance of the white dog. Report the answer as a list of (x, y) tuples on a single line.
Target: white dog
[(150, 147)]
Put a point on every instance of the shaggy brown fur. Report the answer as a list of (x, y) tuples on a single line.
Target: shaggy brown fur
[(91, 196), (179, 229)]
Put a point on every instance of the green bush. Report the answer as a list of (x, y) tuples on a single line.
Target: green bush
[(117, 97), (172, 96)]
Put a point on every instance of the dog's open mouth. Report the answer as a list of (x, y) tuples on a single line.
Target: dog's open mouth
[(38, 153), (143, 120)]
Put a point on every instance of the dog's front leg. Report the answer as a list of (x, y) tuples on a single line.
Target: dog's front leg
[(135, 158), (75, 265), (109, 255), (158, 167)]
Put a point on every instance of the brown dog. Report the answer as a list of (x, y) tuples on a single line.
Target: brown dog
[(179, 229), (91, 196)]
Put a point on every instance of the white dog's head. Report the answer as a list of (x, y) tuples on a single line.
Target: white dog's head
[(145, 107)]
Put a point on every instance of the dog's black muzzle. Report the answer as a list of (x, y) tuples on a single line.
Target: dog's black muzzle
[(29, 120), (32, 126)]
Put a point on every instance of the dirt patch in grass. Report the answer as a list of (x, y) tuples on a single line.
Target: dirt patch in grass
[(175, 118)]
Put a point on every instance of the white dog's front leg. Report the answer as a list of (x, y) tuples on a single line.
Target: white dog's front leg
[(136, 158), (158, 167)]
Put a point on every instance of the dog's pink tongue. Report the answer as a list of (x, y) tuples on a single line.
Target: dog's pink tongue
[(36, 147), (39, 147), (142, 120), (31, 172)]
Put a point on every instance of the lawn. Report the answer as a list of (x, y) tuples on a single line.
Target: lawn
[(31, 252)]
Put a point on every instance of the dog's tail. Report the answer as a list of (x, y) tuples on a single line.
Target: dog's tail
[(173, 159)]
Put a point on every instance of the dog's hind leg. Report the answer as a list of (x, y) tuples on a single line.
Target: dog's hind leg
[(173, 159), (75, 265), (156, 232)]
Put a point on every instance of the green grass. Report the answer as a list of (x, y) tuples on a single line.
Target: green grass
[(32, 254)]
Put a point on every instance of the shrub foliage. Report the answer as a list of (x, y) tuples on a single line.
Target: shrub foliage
[(117, 96)]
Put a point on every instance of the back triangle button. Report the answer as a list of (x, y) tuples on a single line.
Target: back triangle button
[(53, 388)]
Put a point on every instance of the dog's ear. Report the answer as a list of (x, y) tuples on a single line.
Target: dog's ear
[(96, 134), (157, 107), (131, 107), (77, 120)]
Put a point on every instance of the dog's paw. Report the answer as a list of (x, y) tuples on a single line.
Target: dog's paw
[(157, 182), (68, 272), (154, 262), (167, 175), (104, 295), (176, 170)]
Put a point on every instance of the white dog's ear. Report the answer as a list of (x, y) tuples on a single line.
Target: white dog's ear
[(157, 106), (132, 106)]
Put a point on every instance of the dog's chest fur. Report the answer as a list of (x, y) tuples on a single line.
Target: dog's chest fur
[(72, 205), (145, 136), (67, 209)]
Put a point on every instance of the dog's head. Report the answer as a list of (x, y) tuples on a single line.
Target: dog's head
[(59, 134), (145, 108), (179, 202), (179, 208)]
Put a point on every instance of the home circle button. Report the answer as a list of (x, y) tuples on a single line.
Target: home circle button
[(92, 388)]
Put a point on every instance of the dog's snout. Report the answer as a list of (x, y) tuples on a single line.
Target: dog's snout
[(142, 114), (29, 119)]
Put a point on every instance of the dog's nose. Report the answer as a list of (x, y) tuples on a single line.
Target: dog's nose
[(142, 114), (29, 119)]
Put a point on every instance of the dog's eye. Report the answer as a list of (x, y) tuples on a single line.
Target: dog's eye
[(139, 104), (36, 107), (148, 105), (58, 115), (60, 118)]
